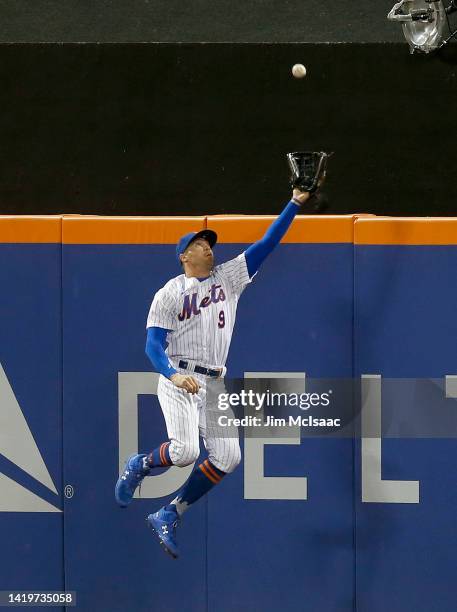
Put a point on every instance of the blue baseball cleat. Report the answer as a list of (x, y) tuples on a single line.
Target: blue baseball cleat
[(131, 477), (164, 523)]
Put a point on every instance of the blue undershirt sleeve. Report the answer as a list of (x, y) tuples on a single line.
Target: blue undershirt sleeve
[(155, 349), (259, 251)]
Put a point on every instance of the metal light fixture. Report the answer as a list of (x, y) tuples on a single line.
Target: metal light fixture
[(426, 25)]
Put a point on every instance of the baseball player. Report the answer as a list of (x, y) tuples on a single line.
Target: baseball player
[(189, 329)]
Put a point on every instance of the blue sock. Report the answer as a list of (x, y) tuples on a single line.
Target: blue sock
[(202, 480), (160, 456)]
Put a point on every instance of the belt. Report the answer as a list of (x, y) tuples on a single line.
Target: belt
[(184, 365)]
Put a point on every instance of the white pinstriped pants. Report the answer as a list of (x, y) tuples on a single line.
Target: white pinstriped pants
[(187, 417)]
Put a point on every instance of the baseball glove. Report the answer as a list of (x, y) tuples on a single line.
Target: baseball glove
[(307, 169)]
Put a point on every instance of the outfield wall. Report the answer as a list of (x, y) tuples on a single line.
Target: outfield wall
[(341, 297)]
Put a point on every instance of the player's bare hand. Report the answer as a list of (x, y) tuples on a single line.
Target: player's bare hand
[(300, 196), (188, 383)]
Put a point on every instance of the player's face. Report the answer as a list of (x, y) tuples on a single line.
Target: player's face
[(200, 254)]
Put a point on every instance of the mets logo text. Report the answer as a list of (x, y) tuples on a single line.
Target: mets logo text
[(216, 294)]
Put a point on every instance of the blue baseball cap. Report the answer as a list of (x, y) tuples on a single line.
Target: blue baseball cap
[(186, 240)]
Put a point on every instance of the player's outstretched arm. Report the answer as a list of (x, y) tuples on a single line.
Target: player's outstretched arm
[(155, 350), (259, 251)]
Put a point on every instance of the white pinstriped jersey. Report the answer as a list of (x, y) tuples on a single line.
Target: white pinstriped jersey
[(200, 314)]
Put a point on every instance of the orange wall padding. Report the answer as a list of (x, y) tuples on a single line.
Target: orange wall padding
[(33, 229), (359, 229), (406, 230)]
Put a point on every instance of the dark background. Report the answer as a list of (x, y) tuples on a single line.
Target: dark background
[(200, 128), (196, 21)]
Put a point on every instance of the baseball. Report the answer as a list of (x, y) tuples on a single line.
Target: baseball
[(299, 71)]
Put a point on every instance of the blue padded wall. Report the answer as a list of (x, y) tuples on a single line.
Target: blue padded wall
[(73, 318), (296, 316), (405, 327), (31, 532)]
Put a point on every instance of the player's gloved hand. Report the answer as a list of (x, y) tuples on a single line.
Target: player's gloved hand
[(188, 383), (316, 202), (300, 196)]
